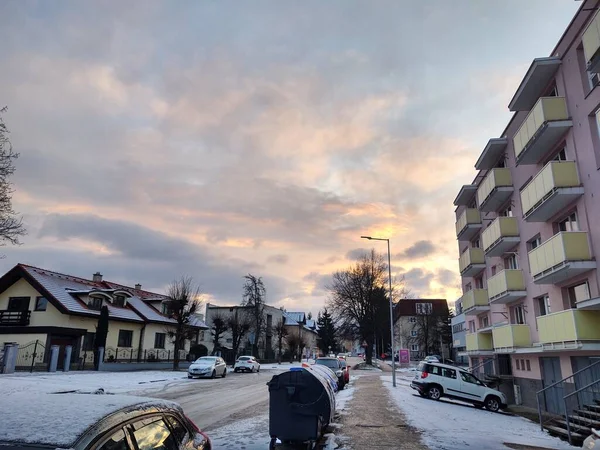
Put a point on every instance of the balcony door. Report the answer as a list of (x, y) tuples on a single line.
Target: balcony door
[(551, 374), (18, 304)]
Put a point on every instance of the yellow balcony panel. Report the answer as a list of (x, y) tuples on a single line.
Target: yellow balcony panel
[(555, 187), (538, 76), (569, 326), (471, 262), (479, 343), (506, 287), (468, 224), (465, 195), (501, 236), (547, 122), (591, 45), (563, 256), (495, 189), (493, 151), (475, 302), (511, 336)]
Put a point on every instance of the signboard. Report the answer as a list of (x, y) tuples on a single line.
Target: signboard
[(404, 356)]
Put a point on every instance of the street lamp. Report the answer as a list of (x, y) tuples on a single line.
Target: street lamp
[(370, 238)]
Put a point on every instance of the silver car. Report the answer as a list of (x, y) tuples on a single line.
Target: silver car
[(208, 366)]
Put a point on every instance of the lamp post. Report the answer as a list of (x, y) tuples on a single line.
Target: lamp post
[(391, 307)]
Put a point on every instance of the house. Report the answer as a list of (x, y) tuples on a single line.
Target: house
[(297, 324), (49, 308)]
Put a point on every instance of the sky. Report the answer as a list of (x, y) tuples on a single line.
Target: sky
[(219, 138)]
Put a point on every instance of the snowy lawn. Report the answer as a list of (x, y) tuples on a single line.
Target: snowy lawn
[(449, 425)]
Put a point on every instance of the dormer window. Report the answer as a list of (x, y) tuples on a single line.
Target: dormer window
[(95, 303), (119, 300)]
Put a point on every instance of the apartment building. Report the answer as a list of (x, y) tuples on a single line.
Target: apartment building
[(527, 226), (459, 338)]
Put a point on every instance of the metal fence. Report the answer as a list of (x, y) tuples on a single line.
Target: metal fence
[(134, 355), (31, 356)]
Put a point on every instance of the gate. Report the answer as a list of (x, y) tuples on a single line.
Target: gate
[(30, 357)]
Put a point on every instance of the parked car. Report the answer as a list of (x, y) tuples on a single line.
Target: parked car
[(100, 422), (336, 366), (246, 364), (346, 369), (436, 380), (208, 366), (432, 358)]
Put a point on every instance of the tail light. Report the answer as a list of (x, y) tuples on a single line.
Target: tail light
[(424, 374)]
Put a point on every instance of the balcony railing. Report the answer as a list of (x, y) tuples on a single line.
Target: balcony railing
[(544, 126), (495, 189), (468, 224), (14, 318), (479, 342), (511, 336), (471, 262), (552, 189), (563, 256), (569, 326), (506, 286), (591, 44), (475, 301), (500, 236)]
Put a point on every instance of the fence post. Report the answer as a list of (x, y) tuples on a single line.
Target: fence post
[(117, 354), (168, 355), (67, 363), (11, 351), (145, 359), (131, 355), (34, 355), (53, 358)]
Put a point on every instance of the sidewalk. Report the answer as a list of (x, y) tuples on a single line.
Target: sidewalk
[(374, 421)]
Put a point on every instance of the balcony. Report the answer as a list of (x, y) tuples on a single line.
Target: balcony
[(493, 151), (538, 76), (506, 287), (479, 343), (501, 236), (475, 302), (465, 195), (569, 326), (468, 224), (471, 262), (591, 45), (494, 190), (547, 122), (14, 318), (555, 187), (563, 256), (511, 336)]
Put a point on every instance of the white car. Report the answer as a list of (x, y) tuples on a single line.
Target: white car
[(246, 364), (208, 366), (435, 380)]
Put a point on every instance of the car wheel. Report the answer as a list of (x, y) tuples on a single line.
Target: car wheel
[(253, 369), (258, 370), (189, 376), (214, 374), (434, 392), (492, 403), (342, 386), (225, 372), (236, 370)]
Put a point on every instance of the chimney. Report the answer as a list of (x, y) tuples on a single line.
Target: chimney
[(97, 277), (138, 286)]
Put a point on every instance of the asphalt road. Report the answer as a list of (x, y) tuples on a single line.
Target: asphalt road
[(215, 403)]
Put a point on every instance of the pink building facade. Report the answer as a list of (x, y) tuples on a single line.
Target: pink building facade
[(528, 226)]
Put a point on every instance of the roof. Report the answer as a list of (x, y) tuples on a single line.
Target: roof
[(297, 317), (196, 321), (61, 419)]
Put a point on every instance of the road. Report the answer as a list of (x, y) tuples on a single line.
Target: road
[(215, 403)]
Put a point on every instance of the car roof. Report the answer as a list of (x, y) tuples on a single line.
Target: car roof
[(245, 356), (328, 358), (449, 366), (62, 419)]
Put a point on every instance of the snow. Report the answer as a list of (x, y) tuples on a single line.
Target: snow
[(60, 419), (450, 425)]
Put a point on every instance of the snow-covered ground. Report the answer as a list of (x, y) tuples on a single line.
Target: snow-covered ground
[(453, 425)]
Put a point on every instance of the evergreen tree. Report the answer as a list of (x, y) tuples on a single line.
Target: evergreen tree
[(101, 334), (326, 340)]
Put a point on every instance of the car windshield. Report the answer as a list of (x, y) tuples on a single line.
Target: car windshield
[(343, 363), (244, 358), (207, 359), (331, 363)]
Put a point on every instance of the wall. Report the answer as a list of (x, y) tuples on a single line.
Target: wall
[(534, 363), (529, 387), (128, 367)]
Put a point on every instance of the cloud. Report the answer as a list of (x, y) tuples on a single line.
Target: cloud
[(419, 249), (418, 281), (357, 253), (278, 259)]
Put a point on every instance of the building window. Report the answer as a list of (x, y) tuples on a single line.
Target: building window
[(543, 304), (518, 363), (412, 319), (159, 340), (423, 308), (229, 340), (519, 315), (413, 333), (484, 322), (125, 338), (569, 223), (471, 326), (18, 303), (41, 303), (414, 347), (88, 342), (476, 243), (528, 365), (552, 93), (578, 293), (511, 262), (493, 270), (201, 337), (95, 303), (534, 243), (561, 155), (508, 212), (119, 300)]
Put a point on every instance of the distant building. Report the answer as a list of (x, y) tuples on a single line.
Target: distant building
[(459, 342)]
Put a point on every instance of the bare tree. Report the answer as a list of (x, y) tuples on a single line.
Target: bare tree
[(281, 332), (296, 343), (11, 226), (254, 297), (218, 327), (184, 300), (239, 324)]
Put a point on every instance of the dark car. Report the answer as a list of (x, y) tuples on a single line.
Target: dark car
[(96, 422), (346, 369), (335, 365)]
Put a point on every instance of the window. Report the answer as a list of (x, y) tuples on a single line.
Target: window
[(519, 315), (468, 287), (534, 243), (159, 340), (125, 338), (528, 365), (578, 293), (543, 304), (484, 322), (180, 432), (561, 155), (569, 223), (95, 303), (448, 373), (518, 363), (414, 347), (471, 326), (154, 436), (552, 93), (88, 342), (41, 303), (512, 262), (493, 270), (18, 304), (476, 243), (229, 340), (413, 333), (119, 300), (202, 335), (116, 442), (424, 308), (508, 212), (468, 378), (479, 283), (412, 319)]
